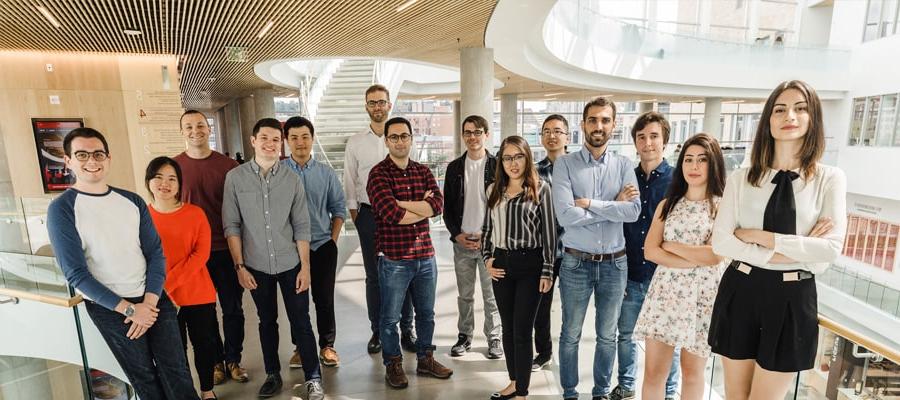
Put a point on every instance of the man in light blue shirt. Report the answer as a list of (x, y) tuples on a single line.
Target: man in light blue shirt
[(594, 193), (325, 201)]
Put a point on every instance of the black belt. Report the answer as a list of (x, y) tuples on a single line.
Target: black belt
[(594, 257), (364, 205), (788, 276)]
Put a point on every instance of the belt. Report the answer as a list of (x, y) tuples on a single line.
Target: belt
[(595, 257), (789, 276), (365, 205)]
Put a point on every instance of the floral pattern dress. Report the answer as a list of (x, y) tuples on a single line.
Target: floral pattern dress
[(679, 301)]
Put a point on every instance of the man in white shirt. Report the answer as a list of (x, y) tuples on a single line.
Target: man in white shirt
[(465, 202), (363, 151)]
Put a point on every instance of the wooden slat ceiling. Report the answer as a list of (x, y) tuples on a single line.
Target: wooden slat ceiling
[(199, 30)]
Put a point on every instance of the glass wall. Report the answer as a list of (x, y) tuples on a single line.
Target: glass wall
[(874, 121)]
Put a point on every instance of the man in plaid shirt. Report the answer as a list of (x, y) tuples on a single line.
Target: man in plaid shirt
[(404, 194)]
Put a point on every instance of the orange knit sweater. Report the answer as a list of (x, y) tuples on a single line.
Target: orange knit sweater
[(185, 236)]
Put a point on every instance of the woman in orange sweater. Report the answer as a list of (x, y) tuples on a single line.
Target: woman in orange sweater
[(185, 234)]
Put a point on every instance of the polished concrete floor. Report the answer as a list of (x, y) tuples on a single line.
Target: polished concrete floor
[(361, 375)]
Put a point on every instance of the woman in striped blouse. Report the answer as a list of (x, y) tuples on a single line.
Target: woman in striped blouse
[(518, 246)]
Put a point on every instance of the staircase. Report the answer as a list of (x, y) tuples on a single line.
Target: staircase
[(341, 112)]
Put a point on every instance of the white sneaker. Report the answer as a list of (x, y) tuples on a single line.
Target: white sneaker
[(311, 390)]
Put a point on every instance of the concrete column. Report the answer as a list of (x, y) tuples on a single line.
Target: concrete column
[(712, 112), (815, 25), (476, 65), (264, 103), (231, 127), (509, 115), (705, 16), (248, 118), (644, 107), (457, 129), (752, 21)]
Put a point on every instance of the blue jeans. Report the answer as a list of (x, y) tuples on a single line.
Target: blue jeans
[(631, 308), (365, 228), (578, 280), (397, 277), (155, 363)]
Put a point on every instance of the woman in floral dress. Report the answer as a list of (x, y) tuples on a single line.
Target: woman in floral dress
[(679, 302)]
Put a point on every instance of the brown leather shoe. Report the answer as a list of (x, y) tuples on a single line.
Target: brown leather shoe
[(394, 374), (237, 373), (428, 365), (329, 357), (296, 362), (219, 375)]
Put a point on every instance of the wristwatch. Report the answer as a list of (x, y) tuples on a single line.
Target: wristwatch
[(129, 311), (238, 266)]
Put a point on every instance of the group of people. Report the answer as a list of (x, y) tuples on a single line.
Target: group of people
[(677, 255)]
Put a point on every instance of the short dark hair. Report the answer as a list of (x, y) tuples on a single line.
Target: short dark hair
[(648, 118), (478, 121), (395, 121), (297, 122), (378, 88), (153, 168), (189, 112), (598, 102), (86, 133), (266, 123), (555, 117)]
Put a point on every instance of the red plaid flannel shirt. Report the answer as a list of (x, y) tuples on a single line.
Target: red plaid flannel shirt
[(389, 184)]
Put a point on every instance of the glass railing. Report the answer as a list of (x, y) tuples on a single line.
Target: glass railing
[(863, 288)]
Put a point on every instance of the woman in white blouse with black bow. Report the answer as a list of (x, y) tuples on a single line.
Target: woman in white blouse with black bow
[(782, 220)]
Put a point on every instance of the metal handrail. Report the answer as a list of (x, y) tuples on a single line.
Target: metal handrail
[(860, 339), (324, 154)]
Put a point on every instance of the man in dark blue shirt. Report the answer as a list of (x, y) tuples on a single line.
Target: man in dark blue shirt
[(554, 138), (650, 134)]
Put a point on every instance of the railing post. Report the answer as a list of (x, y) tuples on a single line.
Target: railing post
[(88, 390)]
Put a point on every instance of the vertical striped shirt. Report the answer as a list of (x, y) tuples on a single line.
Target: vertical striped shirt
[(518, 224)]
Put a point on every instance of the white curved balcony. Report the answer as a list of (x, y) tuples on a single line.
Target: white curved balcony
[(567, 43)]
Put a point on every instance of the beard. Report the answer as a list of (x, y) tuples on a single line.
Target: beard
[(596, 141), (378, 119)]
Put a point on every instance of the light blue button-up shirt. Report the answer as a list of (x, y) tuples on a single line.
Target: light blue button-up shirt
[(324, 198), (597, 229)]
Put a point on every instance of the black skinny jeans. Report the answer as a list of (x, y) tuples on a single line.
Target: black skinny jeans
[(323, 272), (200, 323), (518, 297)]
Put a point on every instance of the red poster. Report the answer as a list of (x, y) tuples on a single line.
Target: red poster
[(48, 137)]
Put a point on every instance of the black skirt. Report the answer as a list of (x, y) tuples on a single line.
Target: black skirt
[(768, 316)]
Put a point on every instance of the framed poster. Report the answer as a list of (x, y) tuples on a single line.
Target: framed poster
[(48, 138)]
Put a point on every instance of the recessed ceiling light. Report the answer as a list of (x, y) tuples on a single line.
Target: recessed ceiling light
[(553, 94), (46, 13), (552, 98), (646, 101), (429, 97), (406, 5), (132, 32), (265, 29), (733, 102)]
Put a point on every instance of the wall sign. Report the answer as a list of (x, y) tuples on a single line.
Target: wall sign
[(48, 138)]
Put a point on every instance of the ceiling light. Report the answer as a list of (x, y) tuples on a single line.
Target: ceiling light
[(405, 5), (265, 29), (646, 101), (552, 98), (132, 32), (429, 97), (733, 102), (606, 95), (49, 16), (553, 94)]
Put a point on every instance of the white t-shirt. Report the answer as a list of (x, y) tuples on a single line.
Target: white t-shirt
[(475, 197)]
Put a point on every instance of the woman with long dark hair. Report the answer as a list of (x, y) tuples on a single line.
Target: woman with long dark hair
[(782, 220), (186, 240), (678, 306), (519, 247)]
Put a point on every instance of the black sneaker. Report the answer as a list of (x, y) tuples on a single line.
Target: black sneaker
[(604, 397), (495, 349), (462, 346), (620, 393), (541, 361), (374, 345), (408, 342), (271, 386)]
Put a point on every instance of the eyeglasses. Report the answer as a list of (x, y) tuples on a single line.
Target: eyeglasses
[(517, 158), (555, 132), (98, 156), (476, 133), (379, 103), (399, 138)]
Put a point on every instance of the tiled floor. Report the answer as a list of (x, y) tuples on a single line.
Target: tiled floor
[(361, 375)]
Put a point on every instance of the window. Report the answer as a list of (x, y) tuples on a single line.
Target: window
[(874, 121), (859, 111), (888, 113), (871, 241), (213, 135), (881, 19), (868, 134)]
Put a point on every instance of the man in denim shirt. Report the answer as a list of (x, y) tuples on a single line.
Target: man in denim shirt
[(650, 134), (594, 192)]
